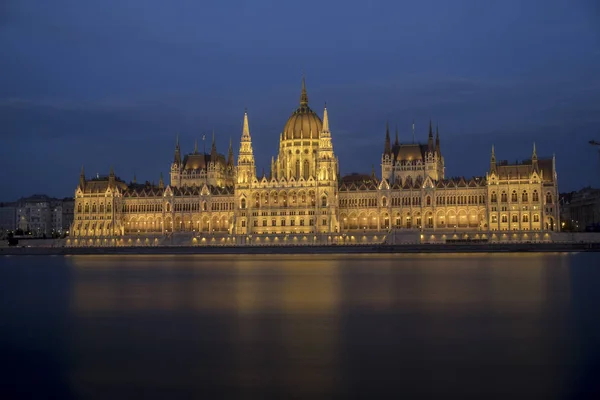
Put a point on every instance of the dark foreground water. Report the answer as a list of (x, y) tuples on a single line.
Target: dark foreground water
[(451, 326)]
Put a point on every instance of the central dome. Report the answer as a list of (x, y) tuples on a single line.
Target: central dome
[(304, 123)]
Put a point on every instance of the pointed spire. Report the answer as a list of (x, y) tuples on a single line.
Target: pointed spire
[(303, 95), (82, 178), (437, 139), (177, 158), (397, 142), (325, 120), (196, 146), (387, 149), (134, 178), (430, 138), (246, 129), (273, 171), (111, 177), (493, 160), (373, 171), (213, 149), (230, 160), (161, 183), (493, 153), (534, 156)]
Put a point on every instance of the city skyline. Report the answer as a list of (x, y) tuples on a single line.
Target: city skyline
[(77, 93)]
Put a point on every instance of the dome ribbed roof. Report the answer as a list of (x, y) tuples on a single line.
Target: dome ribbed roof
[(303, 121)]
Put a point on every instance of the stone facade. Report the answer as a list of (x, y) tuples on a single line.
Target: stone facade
[(303, 199)]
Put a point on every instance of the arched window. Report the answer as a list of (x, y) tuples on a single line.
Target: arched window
[(515, 218), (169, 207), (101, 207), (108, 207), (257, 200), (524, 197), (324, 201), (79, 208), (535, 196), (504, 218), (536, 218), (548, 198), (87, 207), (494, 197), (525, 218), (384, 202), (243, 203), (94, 207), (428, 200), (204, 206), (306, 169), (297, 169), (513, 197), (504, 197)]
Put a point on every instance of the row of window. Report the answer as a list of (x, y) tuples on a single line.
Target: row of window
[(514, 197), (311, 222), (283, 201), (515, 218), (148, 208)]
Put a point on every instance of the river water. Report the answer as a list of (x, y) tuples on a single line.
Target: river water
[(301, 326)]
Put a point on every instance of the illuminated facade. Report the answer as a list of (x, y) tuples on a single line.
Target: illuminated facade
[(212, 200)]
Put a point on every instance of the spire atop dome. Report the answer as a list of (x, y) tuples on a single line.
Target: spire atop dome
[(303, 95), (325, 120)]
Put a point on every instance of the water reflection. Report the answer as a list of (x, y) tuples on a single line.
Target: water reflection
[(323, 325)]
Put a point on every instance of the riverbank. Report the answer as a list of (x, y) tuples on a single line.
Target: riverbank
[(331, 249)]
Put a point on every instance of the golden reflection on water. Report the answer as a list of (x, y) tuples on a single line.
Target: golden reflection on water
[(285, 317), (317, 283)]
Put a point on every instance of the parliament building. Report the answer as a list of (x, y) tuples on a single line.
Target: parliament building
[(212, 199)]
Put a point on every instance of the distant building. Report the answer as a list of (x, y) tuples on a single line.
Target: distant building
[(67, 207), (581, 210), (42, 215), (8, 217)]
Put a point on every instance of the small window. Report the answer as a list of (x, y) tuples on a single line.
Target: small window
[(243, 203)]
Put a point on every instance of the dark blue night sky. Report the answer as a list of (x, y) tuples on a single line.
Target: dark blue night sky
[(112, 82)]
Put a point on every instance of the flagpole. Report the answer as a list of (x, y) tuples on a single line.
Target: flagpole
[(413, 131)]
